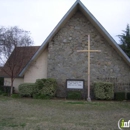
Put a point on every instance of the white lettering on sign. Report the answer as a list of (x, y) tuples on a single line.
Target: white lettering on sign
[(75, 84)]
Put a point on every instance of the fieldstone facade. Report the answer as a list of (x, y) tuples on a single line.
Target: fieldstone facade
[(64, 62)]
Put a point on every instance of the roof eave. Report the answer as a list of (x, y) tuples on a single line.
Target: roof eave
[(78, 5), (54, 31)]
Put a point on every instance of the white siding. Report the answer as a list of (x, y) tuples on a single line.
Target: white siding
[(16, 83), (38, 69)]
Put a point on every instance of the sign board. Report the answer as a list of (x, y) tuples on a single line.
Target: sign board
[(74, 84)]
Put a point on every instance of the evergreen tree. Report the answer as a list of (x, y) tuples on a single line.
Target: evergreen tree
[(125, 41)]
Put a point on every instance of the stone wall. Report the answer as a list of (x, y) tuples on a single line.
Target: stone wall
[(64, 62)]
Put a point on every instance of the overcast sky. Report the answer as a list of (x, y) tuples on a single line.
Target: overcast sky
[(41, 16)]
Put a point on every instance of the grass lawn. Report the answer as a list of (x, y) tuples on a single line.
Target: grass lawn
[(34, 114)]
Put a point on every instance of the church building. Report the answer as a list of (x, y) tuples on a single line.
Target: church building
[(58, 58)]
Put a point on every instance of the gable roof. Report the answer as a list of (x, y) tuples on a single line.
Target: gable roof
[(1, 72), (78, 5), (18, 60)]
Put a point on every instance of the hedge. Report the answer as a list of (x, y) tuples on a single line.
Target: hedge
[(120, 96), (74, 95), (1, 81), (45, 87), (41, 96), (6, 89), (128, 96), (103, 90), (26, 89)]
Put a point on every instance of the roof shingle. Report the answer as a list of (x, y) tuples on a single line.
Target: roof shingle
[(18, 60)]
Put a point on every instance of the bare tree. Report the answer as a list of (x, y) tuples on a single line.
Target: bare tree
[(10, 38), (14, 51)]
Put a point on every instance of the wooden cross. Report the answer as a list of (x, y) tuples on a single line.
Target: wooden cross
[(89, 98)]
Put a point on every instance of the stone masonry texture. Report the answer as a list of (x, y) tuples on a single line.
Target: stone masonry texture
[(64, 62)]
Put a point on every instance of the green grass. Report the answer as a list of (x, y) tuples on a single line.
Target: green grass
[(35, 114), (75, 102)]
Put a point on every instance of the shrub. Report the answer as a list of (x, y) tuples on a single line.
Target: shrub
[(40, 83), (6, 89), (4, 94), (119, 96), (1, 92), (103, 90), (15, 96), (128, 96), (45, 88), (26, 89), (1, 89), (74, 95), (1, 81), (36, 96), (41, 96)]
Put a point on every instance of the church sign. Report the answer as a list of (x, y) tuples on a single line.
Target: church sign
[(74, 84)]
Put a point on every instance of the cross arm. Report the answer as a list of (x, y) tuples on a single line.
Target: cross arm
[(88, 50)]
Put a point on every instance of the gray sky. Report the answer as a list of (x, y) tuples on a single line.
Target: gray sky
[(41, 16)]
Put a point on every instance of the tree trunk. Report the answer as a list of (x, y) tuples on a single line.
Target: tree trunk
[(11, 89)]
